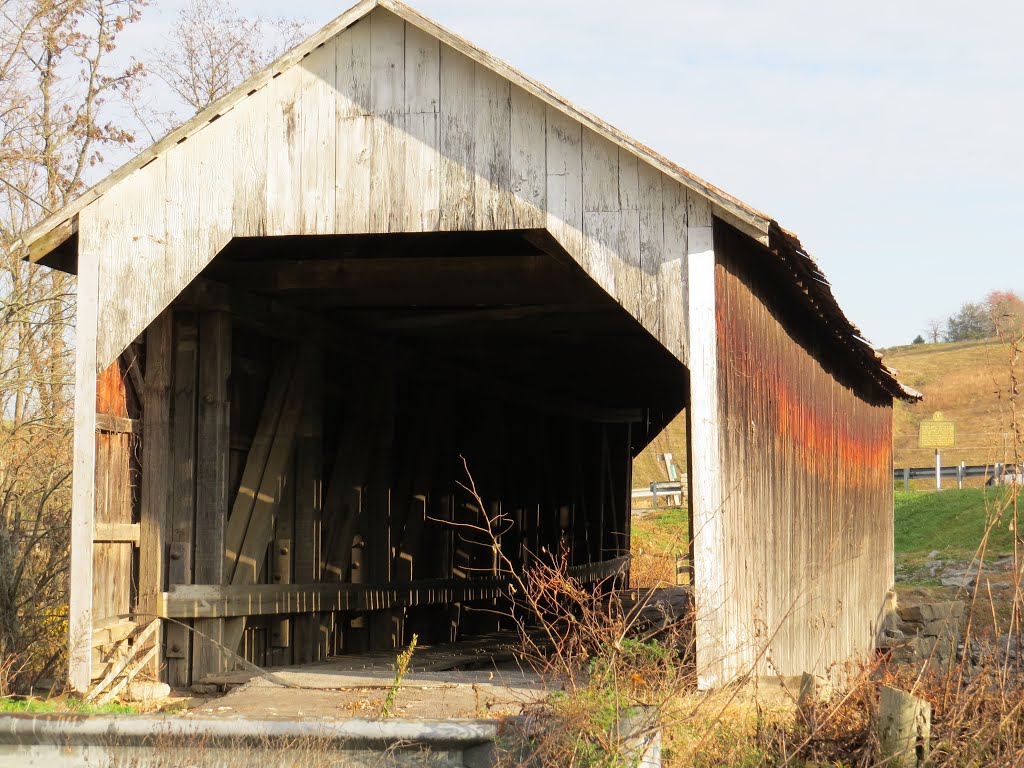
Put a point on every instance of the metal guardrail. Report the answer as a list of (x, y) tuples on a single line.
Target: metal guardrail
[(997, 472), (668, 488)]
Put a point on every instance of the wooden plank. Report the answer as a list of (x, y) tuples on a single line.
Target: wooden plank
[(457, 134), (422, 105), (319, 140), (117, 532), (83, 483), (199, 205), (213, 601), (603, 256), (706, 532), (183, 499), (52, 239), (492, 152), (387, 103), (564, 139), (249, 217), (308, 515), (343, 497), (259, 532), (129, 675), (529, 161), (133, 287), (118, 424), (284, 154), (257, 536), (212, 478), (156, 468), (256, 462), (651, 227), (673, 294), (111, 632), (138, 643), (112, 561), (354, 131)]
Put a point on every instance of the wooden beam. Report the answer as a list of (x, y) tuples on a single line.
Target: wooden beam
[(210, 601), (213, 446), (256, 462), (183, 504), (309, 640), (251, 554), (156, 467), (52, 239), (704, 422), (83, 483), (112, 631), (413, 281), (125, 660), (117, 533), (118, 424)]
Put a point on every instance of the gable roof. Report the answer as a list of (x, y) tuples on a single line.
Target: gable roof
[(57, 228)]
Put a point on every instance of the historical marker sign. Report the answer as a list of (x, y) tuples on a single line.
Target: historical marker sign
[(937, 433)]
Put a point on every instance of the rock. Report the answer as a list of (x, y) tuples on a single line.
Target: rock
[(203, 689), (147, 690), (914, 613), (960, 581), (933, 555)]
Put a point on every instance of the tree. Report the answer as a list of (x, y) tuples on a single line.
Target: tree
[(919, 339), (57, 95), (212, 48), (934, 328), (972, 321), (1006, 310)]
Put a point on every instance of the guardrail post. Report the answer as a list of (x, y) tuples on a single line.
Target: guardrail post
[(906, 479), (960, 475), (654, 495)]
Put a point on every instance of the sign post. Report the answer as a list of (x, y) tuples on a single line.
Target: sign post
[(938, 433)]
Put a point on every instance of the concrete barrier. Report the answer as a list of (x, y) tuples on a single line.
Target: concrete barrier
[(149, 741)]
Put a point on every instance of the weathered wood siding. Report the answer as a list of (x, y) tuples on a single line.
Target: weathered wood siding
[(385, 129), (805, 526)]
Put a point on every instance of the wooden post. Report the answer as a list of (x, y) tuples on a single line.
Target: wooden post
[(83, 482), (213, 444), (308, 515), (156, 468), (183, 506), (706, 534), (904, 728)]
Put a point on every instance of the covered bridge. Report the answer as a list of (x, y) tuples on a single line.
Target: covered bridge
[(388, 251)]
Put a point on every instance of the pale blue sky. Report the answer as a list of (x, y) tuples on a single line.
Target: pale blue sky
[(885, 134)]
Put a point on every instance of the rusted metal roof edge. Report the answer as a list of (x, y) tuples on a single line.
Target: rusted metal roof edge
[(818, 291)]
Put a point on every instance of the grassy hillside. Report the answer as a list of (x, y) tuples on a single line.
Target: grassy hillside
[(646, 467), (969, 383)]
